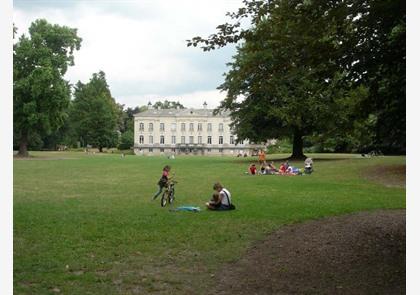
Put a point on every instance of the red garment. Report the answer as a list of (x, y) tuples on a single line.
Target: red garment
[(282, 169), (253, 169)]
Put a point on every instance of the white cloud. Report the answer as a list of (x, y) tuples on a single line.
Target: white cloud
[(141, 47)]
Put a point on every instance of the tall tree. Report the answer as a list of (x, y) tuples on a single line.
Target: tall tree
[(302, 63), (95, 114), (40, 94)]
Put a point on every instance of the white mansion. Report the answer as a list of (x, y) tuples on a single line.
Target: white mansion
[(186, 131)]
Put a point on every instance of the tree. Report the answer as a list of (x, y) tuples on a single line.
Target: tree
[(303, 64), (168, 105), (40, 94), (95, 114), (126, 141)]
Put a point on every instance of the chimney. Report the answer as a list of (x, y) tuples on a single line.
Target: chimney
[(205, 105)]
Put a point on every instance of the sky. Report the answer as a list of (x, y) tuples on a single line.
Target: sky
[(140, 45)]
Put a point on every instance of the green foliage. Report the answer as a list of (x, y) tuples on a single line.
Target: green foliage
[(94, 113), (302, 62), (40, 94), (86, 225), (126, 140), (280, 147), (168, 105)]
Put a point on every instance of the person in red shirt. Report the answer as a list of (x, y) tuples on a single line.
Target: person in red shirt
[(252, 169), (282, 169), (163, 181)]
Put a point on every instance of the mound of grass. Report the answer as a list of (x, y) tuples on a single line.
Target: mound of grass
[(85, 224)]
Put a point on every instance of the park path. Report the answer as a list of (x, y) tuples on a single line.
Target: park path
[(360, 253)]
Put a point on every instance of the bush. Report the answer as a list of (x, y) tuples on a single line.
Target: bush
[(126, 140)]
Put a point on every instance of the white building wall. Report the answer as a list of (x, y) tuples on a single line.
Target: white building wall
[(186, 148)]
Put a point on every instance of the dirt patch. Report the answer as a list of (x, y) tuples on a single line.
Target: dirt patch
[(362, 253), (390, 176)]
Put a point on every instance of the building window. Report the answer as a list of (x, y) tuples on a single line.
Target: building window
[(173, 150), (141, 127), (200, 127), (151, 139), (173, 127), (162, 139), (182, 126), (182, 139), (162, 127), (208, 126), (220, 150), (221, 127), (208, 139), (220, 139), (141, 139), (173, 140), (241, 142), (231, 140), (150, 150), (209, 150), (191, 139), (199, 139), (191, 126), (150, 126), (162, 150)]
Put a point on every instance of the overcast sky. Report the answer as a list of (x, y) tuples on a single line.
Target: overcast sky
[(140, 45)]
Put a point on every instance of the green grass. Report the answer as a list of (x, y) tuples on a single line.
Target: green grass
[(85, 224)]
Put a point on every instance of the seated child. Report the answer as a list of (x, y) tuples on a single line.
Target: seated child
[(282, 169), (221, 199), (252, 169)]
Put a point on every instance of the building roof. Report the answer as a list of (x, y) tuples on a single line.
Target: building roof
[(180, 113)]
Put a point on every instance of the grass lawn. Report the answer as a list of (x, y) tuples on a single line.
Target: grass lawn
[(85, 224)]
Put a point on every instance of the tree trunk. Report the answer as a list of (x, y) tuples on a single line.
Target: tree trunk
[(23, 145), (297, 145), (100, 149)]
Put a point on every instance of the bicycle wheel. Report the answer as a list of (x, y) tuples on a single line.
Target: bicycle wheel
[(172, 196), (164, 198)]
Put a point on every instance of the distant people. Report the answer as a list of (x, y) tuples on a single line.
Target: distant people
[(221, 199), (262, 169), (252, 169), (163, 181), (261, 156), (282, 169), (308, 165), (273, 167)]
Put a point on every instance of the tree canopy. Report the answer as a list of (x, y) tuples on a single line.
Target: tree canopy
[(168, 105), (94, 113), (314, 67), (40, 94)]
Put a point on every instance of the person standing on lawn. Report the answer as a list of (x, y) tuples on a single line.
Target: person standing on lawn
[(163, 181)]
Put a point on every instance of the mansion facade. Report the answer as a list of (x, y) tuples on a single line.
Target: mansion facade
[(186, 131)]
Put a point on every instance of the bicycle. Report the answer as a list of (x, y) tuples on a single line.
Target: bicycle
[(169, 193)]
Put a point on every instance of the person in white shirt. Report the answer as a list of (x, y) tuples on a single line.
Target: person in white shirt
[(222, 199)]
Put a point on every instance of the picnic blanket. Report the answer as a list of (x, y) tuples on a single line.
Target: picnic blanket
[(187, 208)]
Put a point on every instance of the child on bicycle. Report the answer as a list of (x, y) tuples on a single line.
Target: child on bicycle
[(163, 181)]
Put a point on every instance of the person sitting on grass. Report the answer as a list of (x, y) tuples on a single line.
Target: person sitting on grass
[(262, 170), (221, 199), (163, 181), (272, 167), (282, 169), (252, 169)]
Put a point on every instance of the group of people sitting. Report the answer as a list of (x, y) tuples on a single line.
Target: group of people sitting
[(284, 169)]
